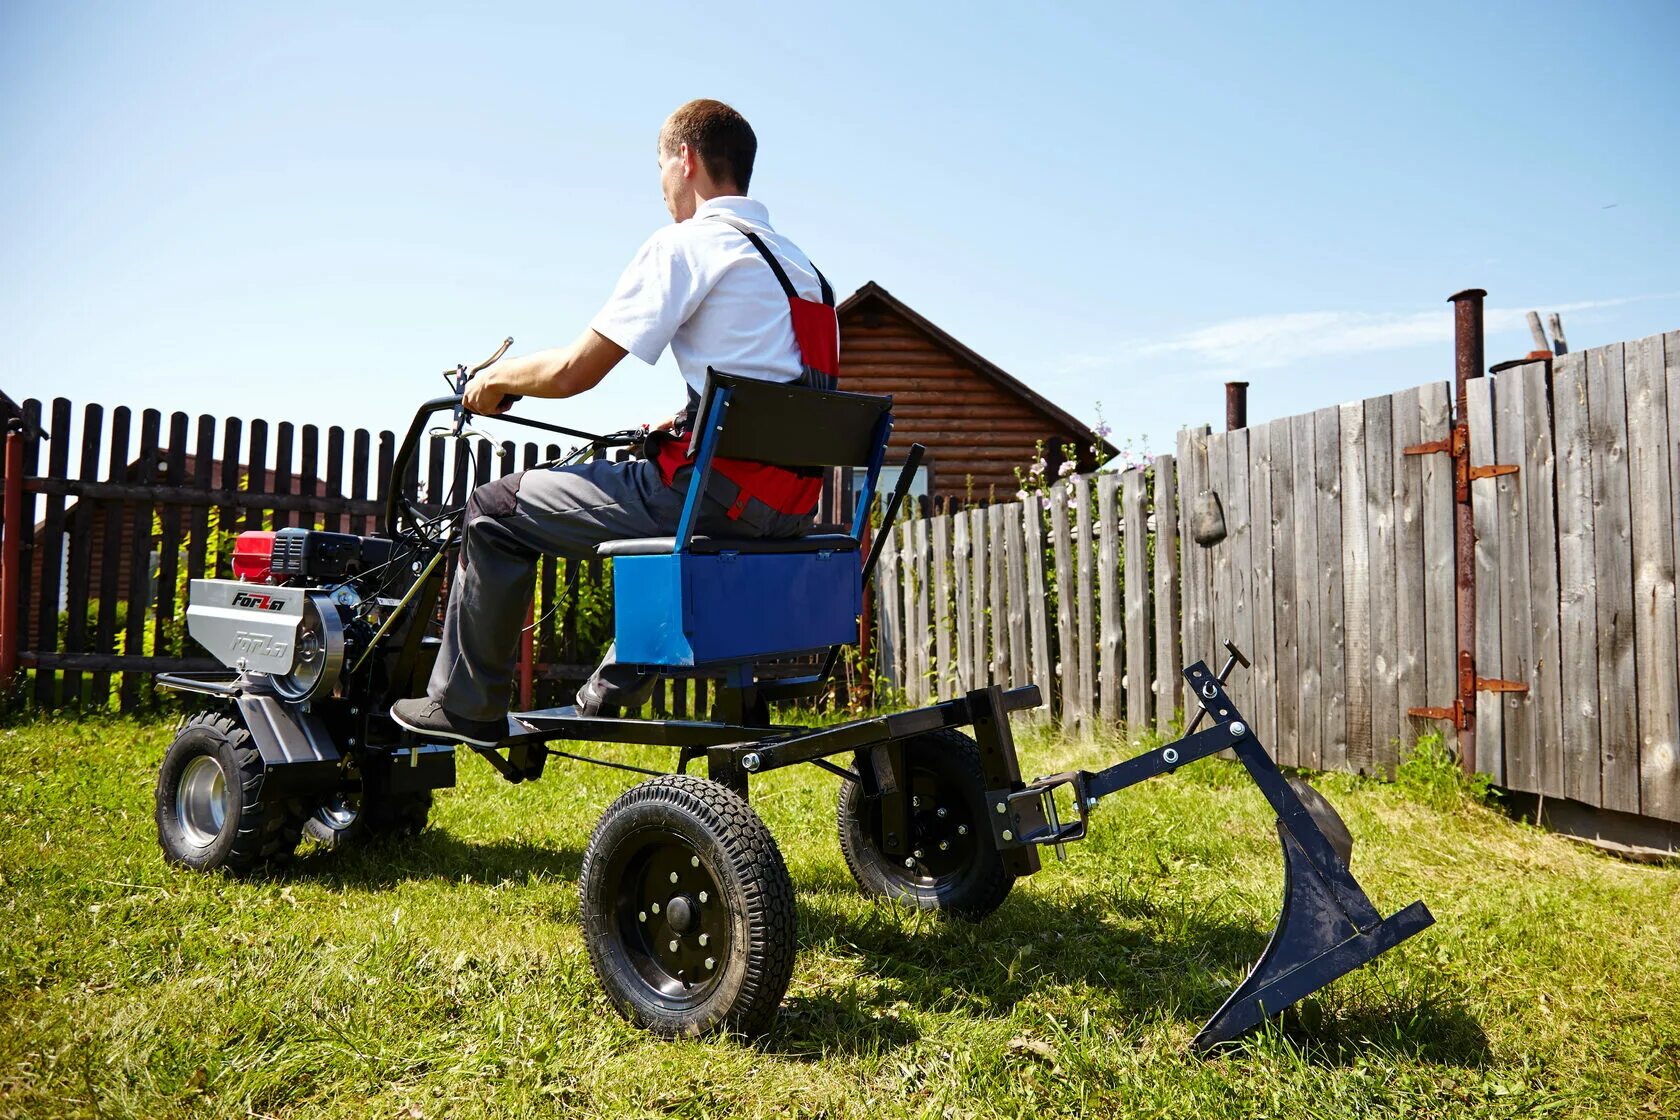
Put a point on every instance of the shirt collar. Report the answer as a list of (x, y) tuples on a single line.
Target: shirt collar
[(735, 205)]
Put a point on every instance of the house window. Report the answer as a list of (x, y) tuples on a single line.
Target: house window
[(888, 479)]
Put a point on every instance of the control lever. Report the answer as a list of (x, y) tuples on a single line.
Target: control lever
[(1236, 657), (464, 375)]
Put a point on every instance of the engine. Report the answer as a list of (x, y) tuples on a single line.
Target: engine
[(303, 603)]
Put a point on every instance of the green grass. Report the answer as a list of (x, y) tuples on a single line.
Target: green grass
[(447, 977)]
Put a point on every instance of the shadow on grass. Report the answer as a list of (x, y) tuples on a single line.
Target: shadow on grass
[(1139, 958), (435, 854)]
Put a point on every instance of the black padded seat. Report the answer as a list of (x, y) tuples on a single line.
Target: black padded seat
[(711, 546)]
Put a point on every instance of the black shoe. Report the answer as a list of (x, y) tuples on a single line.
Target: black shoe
[(431, 720), (589, 702)]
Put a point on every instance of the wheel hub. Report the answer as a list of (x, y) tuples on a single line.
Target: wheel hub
[(201, 801), (672, 918)]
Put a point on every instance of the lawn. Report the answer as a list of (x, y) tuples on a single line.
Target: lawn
[(446, 976)]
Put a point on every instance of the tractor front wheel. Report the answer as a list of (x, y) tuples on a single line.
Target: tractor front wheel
[(208, 810)]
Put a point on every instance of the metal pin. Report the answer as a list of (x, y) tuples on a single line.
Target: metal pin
[(944, 845), (710, 962), (673, 946), (673, 876), (655, 908), (962, 830), (702, 897), (703, 939), (641, 916), (694, 861), (943, 812)]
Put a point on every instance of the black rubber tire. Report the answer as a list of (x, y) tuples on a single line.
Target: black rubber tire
[(253, 834), (967, 881), (376, 817), (732, 851)]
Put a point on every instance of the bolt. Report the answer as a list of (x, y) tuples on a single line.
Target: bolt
[(673, 946), (915, 803), (710, 962), (355, 711), (1090, 803), (702, 896), (942, 813), (908, 862), (944, 845), (703, 939), (917, 853), (1170, 755), (1008, 835), (750, 761), (415, 567), (1002, 808), (655, 908), (350, 742), (694, 861), (1238, 730), (962, 830), (673, 876), (641, 916)]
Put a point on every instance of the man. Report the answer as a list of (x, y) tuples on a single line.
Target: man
[(723, 290)]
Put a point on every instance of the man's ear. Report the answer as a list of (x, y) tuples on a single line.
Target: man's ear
[(685, 156)]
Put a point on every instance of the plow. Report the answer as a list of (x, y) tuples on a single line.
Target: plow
[(688, 907)]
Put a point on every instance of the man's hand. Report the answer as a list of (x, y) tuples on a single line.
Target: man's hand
[(669, 424), (485, 397)]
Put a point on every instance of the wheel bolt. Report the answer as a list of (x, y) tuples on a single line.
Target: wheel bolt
[(673, 946), (915, 803), (942, 813), (944, 845), (917, 853), (642, 917), (1002, 808), (702, 896), (655, 908), (1008, 835), (710, 962), (703, 939), (962, 830), (694, 861), (673, 876), (908, 862)]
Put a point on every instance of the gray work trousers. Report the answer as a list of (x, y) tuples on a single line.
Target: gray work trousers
[(567, 511)]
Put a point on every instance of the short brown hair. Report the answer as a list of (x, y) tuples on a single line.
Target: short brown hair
[(719, 137)]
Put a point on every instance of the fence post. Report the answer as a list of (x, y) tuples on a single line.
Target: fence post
[(11, 559)]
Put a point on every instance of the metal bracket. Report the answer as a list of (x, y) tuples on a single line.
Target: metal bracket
[(1492, 471)]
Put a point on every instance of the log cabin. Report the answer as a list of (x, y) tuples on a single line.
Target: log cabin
[(978, 423)]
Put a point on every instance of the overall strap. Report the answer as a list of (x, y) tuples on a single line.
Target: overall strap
[(776, 265)]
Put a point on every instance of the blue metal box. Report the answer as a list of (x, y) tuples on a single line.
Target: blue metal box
[(687, 609)]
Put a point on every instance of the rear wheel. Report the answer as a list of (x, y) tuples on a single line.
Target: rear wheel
[(953, 866), (207, 807), (688, 909)]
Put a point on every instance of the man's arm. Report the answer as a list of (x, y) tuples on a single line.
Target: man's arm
[(564, 371)]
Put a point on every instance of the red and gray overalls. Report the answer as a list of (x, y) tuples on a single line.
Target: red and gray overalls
[(816, 331), (567, 511)]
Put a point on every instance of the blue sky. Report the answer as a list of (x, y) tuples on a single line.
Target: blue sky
[(305, 213)]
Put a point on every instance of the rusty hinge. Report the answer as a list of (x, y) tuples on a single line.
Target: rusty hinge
[(1433, 447), (1492, 471), (1463, 708)]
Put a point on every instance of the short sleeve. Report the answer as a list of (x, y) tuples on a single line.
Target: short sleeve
[(655, 296)]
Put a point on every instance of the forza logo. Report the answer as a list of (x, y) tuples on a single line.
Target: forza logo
[(258, 602), (259, 645)]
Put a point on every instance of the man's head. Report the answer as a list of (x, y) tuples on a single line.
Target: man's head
[(706, 149)]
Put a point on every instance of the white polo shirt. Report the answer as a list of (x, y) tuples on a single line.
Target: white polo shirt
[(701, 288)]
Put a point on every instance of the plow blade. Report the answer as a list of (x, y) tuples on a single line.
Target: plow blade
[(1314, 943)]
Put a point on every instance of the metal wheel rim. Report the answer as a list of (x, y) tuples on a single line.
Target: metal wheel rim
[(201, 800), (340, 812), (935, 866), (643, 907), (320, 650)]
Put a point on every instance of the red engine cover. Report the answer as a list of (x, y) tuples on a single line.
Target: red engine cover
[(252, 554)]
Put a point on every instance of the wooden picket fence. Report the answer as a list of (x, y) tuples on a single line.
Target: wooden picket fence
[(1063, 589), (125, 510)]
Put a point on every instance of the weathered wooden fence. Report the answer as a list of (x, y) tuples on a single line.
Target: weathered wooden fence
[(1335, 574), (1575, 559), (1063, 589), (119, 511)]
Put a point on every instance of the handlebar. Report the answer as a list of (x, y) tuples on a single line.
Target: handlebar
[(452, 402)]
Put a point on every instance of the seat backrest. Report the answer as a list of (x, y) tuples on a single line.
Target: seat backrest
[(792, 425)]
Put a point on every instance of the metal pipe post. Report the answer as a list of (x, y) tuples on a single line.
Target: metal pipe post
[(11, 559), (1470, 361), (1236, 405)]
